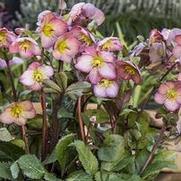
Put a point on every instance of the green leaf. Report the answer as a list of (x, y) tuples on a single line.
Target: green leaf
[(113, 148), (51, 177), (79, 176), (108, 176), (15, 170), (50, 158), (5, 135), (88, 160), (62, 150), (77, 89), (5, 171), (52, 85), (61, 79), (31, 166)]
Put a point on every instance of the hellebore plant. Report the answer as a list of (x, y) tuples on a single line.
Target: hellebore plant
[(82, 101)]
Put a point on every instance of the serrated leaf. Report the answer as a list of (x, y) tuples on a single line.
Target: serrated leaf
[(5, 171), (15, 170), (50, 158), (61, 79), (88, 160), (52, 85), (31, 166), (79, 176), (51, 177), (62, 150), (108, 176), (5, 135), (113, 148)]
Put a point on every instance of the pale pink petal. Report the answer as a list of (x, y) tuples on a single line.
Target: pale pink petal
[(36, 86), (159, 98), (26, 105), (27, 78), (99, 91), (94, 76), (6, 117), (36, 51), (107, 56), (20, 121), (178, 39), (29, 114), (177, 51), (107, 71), (48, 71), (84, 63), (113, 90), (2, 63), (171, 105), (60, 26), (47, 42), (164, 88), (56, 54), (26, 54), (14, 47), (34, 66)]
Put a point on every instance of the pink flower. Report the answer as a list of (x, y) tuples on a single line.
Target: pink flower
[(50, 28), (126, 70), (26, 47), (106, 88), (110, 44), (34, 76), (6, 37), (13, 61), (98, 64), (18, 113), (84, 13), (66, 48), (169, 94), (155, 36)]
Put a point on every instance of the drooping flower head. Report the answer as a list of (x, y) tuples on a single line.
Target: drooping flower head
[(126, 70), (66, 48), (98, 64), (13, 61), (26, 47), (106, 88), (18, 113), (169, 94), (155, 36), (84, 13), (110, 44), (34, 76), (50, 28), (6, 38)]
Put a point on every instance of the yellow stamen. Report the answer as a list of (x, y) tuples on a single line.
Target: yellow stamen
[(130, 70), (105, 83), (2, 37), (48, 30), (171, 94), (107, 45), (86, 39), (62, 46), (97, 62), (16, 111), (25, 45), (38, 76)]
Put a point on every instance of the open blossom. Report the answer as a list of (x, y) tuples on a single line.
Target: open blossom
[(110, 44), (18, 113), (106, 88), (6, 37), (98, 64), (84, 13), (66, 47), (34, 76), (50, 28), (169, 94), (26, 47), (13, 61), (126, 70)]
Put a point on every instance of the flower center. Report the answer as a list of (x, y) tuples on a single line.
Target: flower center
[(85, 39), (16, 111), (105, 83), (171, 94), (97, 62), (107, 45), (48, 30), (38, 76), (2, 37), (25, 45), (130, 70), (62, 46)]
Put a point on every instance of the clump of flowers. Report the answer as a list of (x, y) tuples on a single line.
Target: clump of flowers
[(64, 68)]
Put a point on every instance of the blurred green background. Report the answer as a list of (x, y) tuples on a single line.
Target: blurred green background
[(135, 17)]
